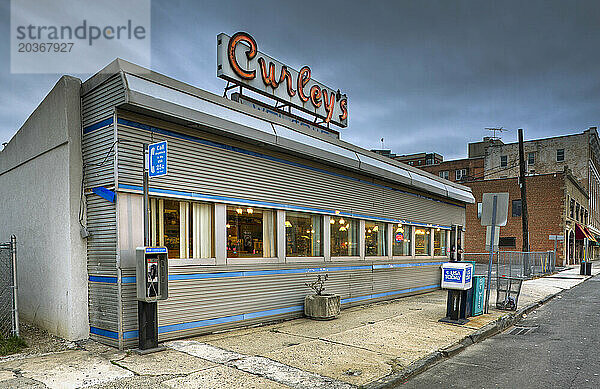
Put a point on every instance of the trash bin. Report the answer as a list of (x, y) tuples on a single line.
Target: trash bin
[(478, 298), (582, 268)]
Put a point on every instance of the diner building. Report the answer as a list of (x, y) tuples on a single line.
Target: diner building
[(252, 207)]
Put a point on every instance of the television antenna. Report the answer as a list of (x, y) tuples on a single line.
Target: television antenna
[(496, 129)]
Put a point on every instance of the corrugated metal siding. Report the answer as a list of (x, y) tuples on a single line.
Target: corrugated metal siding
[(208, 170), (98, 159), (194, 300), (99, 103)]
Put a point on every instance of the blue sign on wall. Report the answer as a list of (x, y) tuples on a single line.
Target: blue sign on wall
[(453, 275), (157, 159)]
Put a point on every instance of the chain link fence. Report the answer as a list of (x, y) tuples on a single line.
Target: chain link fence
[(524, 265), (9, 316)]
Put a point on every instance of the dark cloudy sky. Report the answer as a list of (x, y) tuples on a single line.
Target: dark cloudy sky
[(424, 75)]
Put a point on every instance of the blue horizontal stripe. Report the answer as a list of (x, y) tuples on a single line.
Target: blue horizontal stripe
[(253, 273), (146, 127), (386, 294), (96, 126), (130, 334), (105, 333), (108, 280)]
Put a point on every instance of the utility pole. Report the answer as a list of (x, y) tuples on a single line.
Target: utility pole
[(524, 216)]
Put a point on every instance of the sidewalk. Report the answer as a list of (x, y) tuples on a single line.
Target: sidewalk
[(371, 346)]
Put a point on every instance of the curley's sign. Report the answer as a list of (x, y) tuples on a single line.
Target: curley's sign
[(239, 61)]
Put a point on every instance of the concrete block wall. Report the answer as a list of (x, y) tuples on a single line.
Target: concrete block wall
[(40, 184)]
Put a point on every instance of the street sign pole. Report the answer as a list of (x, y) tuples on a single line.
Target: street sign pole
[(489, 280)]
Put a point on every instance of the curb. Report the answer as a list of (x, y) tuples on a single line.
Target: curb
[(487, 331)]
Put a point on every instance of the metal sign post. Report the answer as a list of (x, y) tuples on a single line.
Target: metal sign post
[(555, 238), (155, 164), (492, 234)]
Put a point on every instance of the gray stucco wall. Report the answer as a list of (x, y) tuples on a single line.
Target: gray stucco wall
[(40, 178)]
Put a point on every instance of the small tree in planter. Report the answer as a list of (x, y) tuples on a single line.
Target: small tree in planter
[(321, 306)]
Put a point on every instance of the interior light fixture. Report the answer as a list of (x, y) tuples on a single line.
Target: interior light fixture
[(239, 210), (332, 221), (250, 211), (341, 221), (228, 225), (287, 223)]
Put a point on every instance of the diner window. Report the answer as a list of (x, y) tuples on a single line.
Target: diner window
[(344, 237), (375, 239), (445, 174), (440, 243), (303, 235), (250, 232), (422, 241), (503, 160), (516, 208), (184, 228), (531, 158), (560, 155), (402, 238)]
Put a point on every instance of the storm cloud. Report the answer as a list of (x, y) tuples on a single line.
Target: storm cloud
[(423, 75)]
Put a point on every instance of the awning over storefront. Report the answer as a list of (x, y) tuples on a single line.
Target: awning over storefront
[(583, 232)]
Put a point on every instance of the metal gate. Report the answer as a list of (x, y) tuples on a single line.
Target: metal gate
[(9, 314)]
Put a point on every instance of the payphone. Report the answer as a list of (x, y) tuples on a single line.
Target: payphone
[(152, 273)]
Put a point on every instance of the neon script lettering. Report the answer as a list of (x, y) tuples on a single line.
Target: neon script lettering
[(273, 78)]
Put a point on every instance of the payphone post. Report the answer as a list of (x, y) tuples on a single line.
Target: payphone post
[(152, 277)]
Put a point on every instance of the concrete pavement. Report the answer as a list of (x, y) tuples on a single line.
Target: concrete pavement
[(373, 346)]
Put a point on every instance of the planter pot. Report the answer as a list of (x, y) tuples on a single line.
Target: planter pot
[(325, 307)]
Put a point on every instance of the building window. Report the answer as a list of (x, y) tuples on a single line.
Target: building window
[(503, 161), (184, 228), (460, 174), (440, 243), (560, 155), (422, 241), (344, 237), (375, 239), (516, 208), (585, 220), (401, 243), (419, 162), (577, 212), (445, 174), (572, 209), (479, 205), (303, 235), (509, 241), (250, 232), (531, 158), (429, 161)]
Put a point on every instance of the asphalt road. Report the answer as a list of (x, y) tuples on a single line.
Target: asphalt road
[(557, 346)]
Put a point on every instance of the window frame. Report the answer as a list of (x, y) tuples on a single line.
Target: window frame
[(322, 236), (520, 208), (563, 155), (445, 174), (531, 158), (463, 174), (503, 160), (262, 258)]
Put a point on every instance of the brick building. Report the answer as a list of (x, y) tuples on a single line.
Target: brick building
[(459, 170), (417, 159), (579, 152), (548, 202)]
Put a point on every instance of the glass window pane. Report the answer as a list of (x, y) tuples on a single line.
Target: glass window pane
[(344, 236), (375, 238), (201, 233), (422, 241), (250, 232), (440, 244), (171, 225), (303, 234), (401, 242)]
